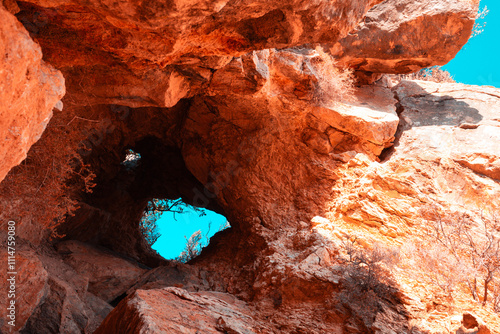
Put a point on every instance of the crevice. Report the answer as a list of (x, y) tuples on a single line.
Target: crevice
[(118, 299), (402, 126)]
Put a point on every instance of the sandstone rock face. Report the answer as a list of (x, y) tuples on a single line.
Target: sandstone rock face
[(29, 90), (177, 311), (371, 117), (231, 109), (51, 297), (157, 71), (29, 286), (190, 31), (141, 54), (277, 116), (405, 36), (107, 276)]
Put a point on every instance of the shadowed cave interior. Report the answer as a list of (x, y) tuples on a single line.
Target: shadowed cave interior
[(110, 216)]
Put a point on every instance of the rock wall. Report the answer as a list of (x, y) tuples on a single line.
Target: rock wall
[(29, 90), (404, 36), (233, 107)]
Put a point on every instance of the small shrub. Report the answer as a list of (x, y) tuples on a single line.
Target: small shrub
[(196, 242), (367, 269), (367, 282), (334, 83), (436, 265), (193, 248)]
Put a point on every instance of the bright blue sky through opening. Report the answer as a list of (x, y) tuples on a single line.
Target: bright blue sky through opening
[(173, 232), (477, 62)]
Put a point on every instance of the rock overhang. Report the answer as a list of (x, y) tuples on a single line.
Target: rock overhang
[(244, 121)]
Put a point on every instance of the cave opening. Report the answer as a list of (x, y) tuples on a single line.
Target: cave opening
[(177, 230)]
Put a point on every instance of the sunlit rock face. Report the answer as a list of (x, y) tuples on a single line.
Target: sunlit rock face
[(232, 107), (29, 90)]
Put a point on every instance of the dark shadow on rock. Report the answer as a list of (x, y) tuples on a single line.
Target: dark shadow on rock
[(426, 109), (109, 216), (417, 108)]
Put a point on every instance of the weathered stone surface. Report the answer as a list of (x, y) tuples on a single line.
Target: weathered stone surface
[(370, 116), (453, 121), (145, 34), (277, 118), (140, 54), (108, 276), (121, 86), (29, 90), (11, 6), (252, 124), (178, 275), (473, 324), (404, 36), (174, 310), (50, 297), (283, 174), (60, 301)]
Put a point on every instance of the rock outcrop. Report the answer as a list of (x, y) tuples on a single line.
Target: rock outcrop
[(468, 117), (232, 107), (148, 54), (29, 90), (178, 311), (405, 36)]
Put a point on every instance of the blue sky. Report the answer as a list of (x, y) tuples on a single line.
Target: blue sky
[(173, 231), (478, 61)]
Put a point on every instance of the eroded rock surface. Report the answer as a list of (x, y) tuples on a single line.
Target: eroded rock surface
[(148, 54), (29, 90), (405, 36), (465, 127), (30, 283), (174, 310), (108, 276)]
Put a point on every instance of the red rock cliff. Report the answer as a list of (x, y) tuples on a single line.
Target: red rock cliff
[(234, 106)]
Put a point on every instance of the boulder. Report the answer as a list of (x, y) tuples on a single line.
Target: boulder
[(28, 288), (29, 90), (108, 276), (404, 36), (458, 122), (174, 310)]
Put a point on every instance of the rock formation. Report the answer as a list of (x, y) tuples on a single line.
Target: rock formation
[(404, 38), (239, 107)]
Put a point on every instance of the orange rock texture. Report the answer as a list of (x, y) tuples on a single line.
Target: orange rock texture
[(29, 90), (239, 107)]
